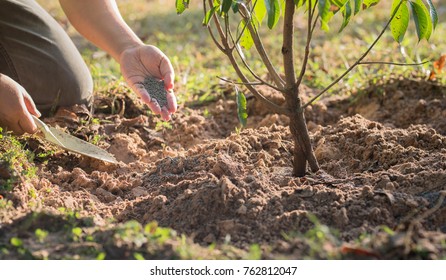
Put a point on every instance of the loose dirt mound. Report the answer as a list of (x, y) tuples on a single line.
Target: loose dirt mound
[(204, 180), (226, 188), (404, 102)]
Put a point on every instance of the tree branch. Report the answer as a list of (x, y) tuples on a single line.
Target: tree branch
[(244, 27), (307, 45), (271, 105), (238, 83), (245, 63), (260, 48), (287, 46), (393, 63), (227, 29), (359, 60), (315, 18), (223, 38), (229, 53), (219, 46), (216, 42)]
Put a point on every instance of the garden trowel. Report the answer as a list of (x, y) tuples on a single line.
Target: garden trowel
[(73, 144)]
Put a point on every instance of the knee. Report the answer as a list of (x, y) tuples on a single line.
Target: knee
[(43, 58), (76, 87), (70, 87)]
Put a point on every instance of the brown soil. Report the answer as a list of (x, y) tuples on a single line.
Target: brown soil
[(383, 162)]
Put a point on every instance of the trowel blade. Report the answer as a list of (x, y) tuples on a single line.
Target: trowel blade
[(73, 144)]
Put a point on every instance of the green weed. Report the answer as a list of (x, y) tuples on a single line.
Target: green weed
[(254, 253), (41, 235), (138, 256), (76, 234), (16, 160), (161, 125), (96, 139)]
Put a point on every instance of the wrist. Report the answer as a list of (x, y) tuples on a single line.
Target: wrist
[(127, 47)]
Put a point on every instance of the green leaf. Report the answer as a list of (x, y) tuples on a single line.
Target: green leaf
[(246, 40), (225, 6), (41, 234), (77, 231), (209, 15), (433, 13), (304, 3), (242, 112), (299, 3), (369, 3), (138, 256), (358, 5), (101, 256), (235, 7), (273, 10), (259, 10), (339, 3), (347, 14), (16, 242), (421, 18), (325, 13), (181, 5), (399, 24)]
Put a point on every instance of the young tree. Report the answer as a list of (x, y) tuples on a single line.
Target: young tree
[(249, 14)]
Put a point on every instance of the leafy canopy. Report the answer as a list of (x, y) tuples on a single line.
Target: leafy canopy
[(423, 13), (254, 13)]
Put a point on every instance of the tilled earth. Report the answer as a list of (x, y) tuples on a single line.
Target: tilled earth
[(382, 179)]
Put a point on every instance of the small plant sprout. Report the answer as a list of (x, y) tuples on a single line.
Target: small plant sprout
[(41, 235), (235, 40)]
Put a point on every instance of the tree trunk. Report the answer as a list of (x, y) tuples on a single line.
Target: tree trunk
[(303, 150), (299, 159)]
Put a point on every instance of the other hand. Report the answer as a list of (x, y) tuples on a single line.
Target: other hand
[(16, 107)]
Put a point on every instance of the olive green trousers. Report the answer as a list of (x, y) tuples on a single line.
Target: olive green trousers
[(36, 52)]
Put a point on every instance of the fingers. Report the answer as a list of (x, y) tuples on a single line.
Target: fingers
[(153, 103), (23, 123), (15, 127), (26, 121), (168, 80), (29, 103), (165, 115), (145, 97), (171, 102), (155, 107), (15, 107), (167, 72), (142, 92), (166, 112), (26, 124)]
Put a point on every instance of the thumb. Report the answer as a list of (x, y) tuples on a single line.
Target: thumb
[(26, 121), (167, 73), (29, 103), (168, 80)]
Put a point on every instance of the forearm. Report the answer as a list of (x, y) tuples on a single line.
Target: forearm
[(101, 23)]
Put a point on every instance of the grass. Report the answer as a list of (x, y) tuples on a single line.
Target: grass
[(69, 236), (15, 161)]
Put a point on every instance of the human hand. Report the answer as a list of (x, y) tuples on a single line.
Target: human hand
[(142, 61), (16, 107)]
